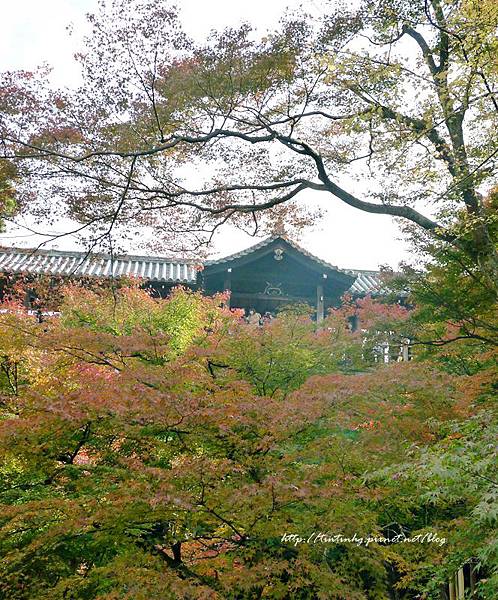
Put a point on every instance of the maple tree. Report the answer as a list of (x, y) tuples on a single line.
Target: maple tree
[(454, 320), (134, 465), (279, 357), (400, 95)]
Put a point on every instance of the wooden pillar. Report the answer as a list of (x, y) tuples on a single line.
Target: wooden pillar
[(319, 303), (227, 283), (27, 299), (405, 350), (460, 585), (452, 588), (200, 282), (473, 579)]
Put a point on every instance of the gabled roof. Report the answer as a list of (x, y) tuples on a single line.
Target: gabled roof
[(290, 247), (66, 263), (268, 242)]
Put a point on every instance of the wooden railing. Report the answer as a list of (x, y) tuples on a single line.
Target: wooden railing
[(462, 586)]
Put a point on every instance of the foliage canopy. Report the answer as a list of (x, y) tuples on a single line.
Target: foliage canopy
[(144, 461)]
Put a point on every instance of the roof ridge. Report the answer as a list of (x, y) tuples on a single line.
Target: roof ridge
[(266, 242), (229, 257), (364, 271), (90, 255)]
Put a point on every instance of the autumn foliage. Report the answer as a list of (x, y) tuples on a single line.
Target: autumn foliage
[(162, 449)]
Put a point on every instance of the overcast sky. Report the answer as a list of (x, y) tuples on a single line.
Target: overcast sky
[(35, 32)]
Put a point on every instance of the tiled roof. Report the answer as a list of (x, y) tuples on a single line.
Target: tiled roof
[(152, 268), (367, 282), (57, 262)]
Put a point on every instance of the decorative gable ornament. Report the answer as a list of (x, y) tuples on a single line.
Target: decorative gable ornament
[(278, 254)]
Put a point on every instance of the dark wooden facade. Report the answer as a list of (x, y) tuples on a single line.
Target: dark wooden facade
[(276, 273)]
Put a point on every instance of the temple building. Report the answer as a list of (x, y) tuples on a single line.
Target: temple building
[(265, 277)]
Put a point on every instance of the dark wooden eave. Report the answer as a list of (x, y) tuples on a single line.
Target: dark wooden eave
[(289, 247)]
